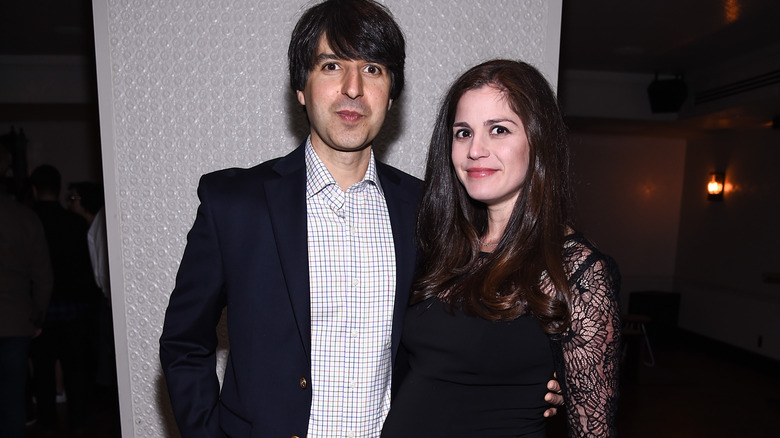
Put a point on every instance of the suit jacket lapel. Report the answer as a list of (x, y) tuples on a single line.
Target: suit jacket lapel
[(402, 208), (287, 207)]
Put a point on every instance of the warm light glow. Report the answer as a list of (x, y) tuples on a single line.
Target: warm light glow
[(732, 9), (715, 186)]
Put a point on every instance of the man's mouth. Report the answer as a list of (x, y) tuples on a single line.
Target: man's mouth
[(349, 116)]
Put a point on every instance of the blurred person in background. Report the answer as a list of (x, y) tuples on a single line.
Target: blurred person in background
[(66, 334), (25, 289)]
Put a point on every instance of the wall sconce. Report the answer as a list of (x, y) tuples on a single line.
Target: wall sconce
[(715, 186)]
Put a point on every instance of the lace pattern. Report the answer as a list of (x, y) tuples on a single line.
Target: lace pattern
[(588, 354)]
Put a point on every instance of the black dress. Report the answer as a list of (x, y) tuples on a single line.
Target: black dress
[(469, 377)]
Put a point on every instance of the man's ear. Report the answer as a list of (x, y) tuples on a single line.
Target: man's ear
[(301, 97)]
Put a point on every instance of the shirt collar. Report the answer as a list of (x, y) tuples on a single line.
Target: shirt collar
[(318, 176)]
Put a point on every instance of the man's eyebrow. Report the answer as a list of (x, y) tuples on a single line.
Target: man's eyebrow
[(322, 57)]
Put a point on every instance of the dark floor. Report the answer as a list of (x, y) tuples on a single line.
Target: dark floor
[(102, 421), (697, 388)]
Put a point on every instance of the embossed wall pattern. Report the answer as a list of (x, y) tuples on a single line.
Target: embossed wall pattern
[(191, 86)]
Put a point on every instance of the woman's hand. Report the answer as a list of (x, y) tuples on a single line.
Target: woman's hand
[(554, 397)]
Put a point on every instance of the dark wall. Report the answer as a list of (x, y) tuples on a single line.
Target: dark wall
[(628, 193), (725, 249)]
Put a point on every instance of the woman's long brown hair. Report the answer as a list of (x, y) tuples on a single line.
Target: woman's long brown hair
[(525, 273)]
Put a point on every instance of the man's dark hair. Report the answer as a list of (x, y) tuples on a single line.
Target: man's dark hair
[(355, 29), (46, 179)]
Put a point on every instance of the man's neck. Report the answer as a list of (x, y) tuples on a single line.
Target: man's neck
[(347, 167)]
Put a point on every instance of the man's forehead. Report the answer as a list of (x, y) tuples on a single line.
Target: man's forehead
[(325, 52), (323, 47)]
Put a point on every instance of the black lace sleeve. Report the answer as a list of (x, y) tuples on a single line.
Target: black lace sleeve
[(591, 347)]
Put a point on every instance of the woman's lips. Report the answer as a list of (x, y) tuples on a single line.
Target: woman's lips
[(480, 172)]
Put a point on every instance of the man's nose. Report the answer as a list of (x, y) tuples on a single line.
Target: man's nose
[(353, 83)]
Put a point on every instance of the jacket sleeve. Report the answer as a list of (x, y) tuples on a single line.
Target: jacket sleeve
[(189, 339), (591, 348)]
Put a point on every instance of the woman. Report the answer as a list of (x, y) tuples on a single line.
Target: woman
[(507, 292)]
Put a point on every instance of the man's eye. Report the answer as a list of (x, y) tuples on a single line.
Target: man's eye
[(330, 66), (372, 69)]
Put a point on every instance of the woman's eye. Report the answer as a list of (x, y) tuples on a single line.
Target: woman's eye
[(499, 130), (462, 133)]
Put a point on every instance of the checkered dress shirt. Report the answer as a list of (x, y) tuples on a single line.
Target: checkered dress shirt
[(352, 275)]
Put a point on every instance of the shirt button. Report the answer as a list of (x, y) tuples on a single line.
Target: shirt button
[(352, 383), (355, 282), (302, 382), (350, 434), (354, 333)]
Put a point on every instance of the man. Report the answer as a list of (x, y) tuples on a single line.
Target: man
[(25, 289), (67, 330), (313, 254), (86, 199)]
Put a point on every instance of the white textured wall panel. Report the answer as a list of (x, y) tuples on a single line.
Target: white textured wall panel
[(191, 86)]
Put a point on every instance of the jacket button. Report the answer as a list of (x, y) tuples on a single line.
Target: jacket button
[(302, 382)]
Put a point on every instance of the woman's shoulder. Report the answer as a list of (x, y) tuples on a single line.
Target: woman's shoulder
[(582, 256)]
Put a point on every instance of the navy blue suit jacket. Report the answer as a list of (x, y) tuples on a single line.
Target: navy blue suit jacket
[(247, 250)]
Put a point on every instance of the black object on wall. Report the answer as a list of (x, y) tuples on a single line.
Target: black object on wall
[(667, 95)]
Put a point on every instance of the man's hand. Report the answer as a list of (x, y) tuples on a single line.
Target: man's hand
[(554, 397)]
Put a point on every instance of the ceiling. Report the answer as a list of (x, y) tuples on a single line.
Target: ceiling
[(639, 36), (669, 37), (666, 36)]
